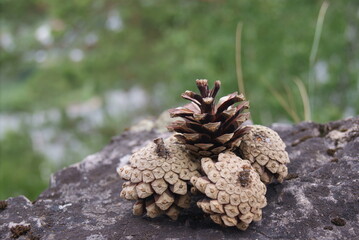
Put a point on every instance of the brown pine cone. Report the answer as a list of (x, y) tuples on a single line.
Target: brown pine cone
[(158, 177), (208, 128), (266, 151), (235, 194)]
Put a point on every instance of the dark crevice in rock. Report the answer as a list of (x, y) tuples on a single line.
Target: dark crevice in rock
[(300, 140), (338, 221), (328, 228), (18, 230), (323, 129), (291, 176), (331, 151), (3, 204)]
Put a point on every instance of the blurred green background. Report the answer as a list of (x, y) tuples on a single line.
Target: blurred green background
[(75, 73)]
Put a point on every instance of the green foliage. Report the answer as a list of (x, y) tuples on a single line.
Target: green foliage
[(175, 44), (21, 167)]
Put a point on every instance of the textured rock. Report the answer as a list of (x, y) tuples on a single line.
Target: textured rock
[(319, 200)]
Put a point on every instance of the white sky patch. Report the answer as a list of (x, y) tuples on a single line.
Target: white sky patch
[(40, 56), (76, 55), (114, 21), (43, 34), (126, 101), (321, 71), (43, 142), (349, 112), (6, 41), (350, 33), (91, 39)]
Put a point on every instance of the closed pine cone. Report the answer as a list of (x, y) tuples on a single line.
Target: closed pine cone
[(234, 193), (208, 128), (158, 176), (266, 151)]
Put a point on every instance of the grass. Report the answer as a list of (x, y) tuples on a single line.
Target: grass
[(238, 59), (286, 99), (314, 52), (305, 99)]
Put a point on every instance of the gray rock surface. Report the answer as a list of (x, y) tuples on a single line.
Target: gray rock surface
[(320, 200)]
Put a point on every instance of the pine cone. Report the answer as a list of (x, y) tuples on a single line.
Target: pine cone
[(266, 151), (208, 128), (158, 177), (235, 194)]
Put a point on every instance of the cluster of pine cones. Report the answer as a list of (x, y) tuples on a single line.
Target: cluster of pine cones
[(211, 154)]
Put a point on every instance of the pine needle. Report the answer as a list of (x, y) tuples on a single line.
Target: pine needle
[(238, 59), (284, 103), (305, 99), (314, 51), (290, 98), (318, 32)]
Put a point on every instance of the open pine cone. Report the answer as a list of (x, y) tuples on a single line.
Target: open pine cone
[(234, 193), (207, 128), (266, 151), (158, 176)]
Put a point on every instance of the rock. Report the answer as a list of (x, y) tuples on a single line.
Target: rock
[(319, 199)]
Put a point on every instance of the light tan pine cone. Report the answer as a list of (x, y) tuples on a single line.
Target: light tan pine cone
[(158, 177), (266, 151), (235, 194)]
